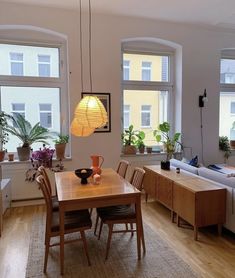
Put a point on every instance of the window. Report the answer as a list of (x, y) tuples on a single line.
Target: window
[(18, 108), (16, 63), (227, 95), (146, 71), (44, 65), (45, 115), (149, 99), (145, 115), (38, 98), (126, 116), (232, 109), (126, 70)]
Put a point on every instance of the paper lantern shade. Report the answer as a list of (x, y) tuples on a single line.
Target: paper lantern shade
[(90, 112), (79, 130)]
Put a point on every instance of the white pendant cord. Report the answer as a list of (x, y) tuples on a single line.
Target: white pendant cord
[(90, 60), (81, 58)]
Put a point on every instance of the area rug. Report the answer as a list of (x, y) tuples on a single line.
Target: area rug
[(160, 260)]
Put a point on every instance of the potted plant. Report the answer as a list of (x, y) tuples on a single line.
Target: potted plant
[(140, 141), (224, 145), (60, 145), (3, 133), (162, 134), (129, 139), (28, 135)]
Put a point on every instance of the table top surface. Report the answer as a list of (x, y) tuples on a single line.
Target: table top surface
[(170, 174), (185, 179), (69, 186)]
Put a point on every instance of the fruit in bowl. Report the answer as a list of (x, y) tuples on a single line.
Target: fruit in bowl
[(83, 174)]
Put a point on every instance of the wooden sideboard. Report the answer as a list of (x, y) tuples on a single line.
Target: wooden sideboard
[(5, 199), (198, 201)]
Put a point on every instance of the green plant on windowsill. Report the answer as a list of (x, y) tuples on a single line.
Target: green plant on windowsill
[(224, 146), (140, 141), (162, 134), (60, 145), (4, 135), (129, 140)]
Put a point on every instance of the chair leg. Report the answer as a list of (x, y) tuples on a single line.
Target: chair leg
[(47, 243), (126, 226), (96, 224), (85, 246), (132, 233), (109, 240), (143, 242), (101, 226), (91, 209)]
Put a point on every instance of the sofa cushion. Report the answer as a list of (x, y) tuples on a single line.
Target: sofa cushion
[(184, 166), (216, 176)]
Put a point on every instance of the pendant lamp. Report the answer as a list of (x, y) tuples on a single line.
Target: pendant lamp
[(79, 130), (90, 112)]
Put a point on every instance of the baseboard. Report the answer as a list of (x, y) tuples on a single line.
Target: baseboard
[(27, 202)]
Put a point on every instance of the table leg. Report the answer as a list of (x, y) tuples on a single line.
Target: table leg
[(195, 228), (138, 225), (219, 229), (61, 240)]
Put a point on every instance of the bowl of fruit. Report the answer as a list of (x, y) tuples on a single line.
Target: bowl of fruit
[(83, 174)]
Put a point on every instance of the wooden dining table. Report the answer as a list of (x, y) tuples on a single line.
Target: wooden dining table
[(111, 190)]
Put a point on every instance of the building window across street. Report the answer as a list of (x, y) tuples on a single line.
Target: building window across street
[(146, 71), (44, 65), (45, 115), (18, 108), (126, 70), (146, 115), (126, 116), (17, 64)]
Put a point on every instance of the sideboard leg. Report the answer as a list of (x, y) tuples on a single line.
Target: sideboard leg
[(195, 232), (219, 229)]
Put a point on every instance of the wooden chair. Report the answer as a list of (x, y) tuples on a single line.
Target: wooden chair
[(75, 221), (122, 168), (55, 203), (123, 214)]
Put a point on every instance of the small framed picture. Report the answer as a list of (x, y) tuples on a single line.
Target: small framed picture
[(105, 98)]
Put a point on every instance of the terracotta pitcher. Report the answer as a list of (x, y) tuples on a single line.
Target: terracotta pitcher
[(96, 165)]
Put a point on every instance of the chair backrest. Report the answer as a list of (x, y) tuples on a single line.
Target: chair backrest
[(137, 178), (122, 168), (42, 184), (42, 171)]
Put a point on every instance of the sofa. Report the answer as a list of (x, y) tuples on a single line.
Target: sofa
[(221, 180)]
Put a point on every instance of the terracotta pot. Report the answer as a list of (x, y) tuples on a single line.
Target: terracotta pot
[(2, 155), (60, 150), (141, 149), (149, 149), (128, 149), (232, 144)]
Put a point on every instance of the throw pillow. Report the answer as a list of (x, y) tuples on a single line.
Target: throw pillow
[(194, 161)]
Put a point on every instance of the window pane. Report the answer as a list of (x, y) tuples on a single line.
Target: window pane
[(227, 71), (32, 98), (146, 109), (232, 107), (227, 117), (147, 67), (24, 60)]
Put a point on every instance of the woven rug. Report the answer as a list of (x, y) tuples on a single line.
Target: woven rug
[(160, 260)]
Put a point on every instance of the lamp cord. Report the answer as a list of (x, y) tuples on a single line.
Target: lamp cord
[(90, 60), (201, 126), (81, 59)]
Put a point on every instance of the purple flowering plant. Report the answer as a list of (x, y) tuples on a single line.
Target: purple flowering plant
[(43, 156)]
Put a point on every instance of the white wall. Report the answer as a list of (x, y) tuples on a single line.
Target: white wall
[(201, 47)]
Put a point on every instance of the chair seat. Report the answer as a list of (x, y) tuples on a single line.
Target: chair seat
[(116, 212), (72, 220)]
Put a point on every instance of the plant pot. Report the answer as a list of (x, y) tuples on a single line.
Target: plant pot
[(141, 149), (129, 149), (149, 149), (232, 144), (2, 155), (60, 150), (165, 165), (23, 153)]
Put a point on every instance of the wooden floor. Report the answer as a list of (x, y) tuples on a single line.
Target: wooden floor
[(211, 256)]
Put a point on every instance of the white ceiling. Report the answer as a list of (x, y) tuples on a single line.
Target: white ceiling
[(210, 12)]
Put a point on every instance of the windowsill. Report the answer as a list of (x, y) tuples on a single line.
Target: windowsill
[(148, 154), (16, 161)]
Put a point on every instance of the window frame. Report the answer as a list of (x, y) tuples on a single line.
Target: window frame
[(141, 85), (60, 82)]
